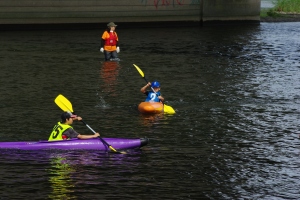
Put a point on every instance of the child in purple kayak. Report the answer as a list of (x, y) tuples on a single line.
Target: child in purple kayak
[(63, 129)]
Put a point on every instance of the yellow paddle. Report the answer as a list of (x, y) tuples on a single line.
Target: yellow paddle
[(167, 109), (66, 105)]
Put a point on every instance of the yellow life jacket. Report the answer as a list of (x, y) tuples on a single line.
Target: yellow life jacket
[(57, 131)]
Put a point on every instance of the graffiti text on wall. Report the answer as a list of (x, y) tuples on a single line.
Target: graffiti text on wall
[(173, 3)]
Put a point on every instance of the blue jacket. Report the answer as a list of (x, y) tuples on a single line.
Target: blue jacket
[(152, 97)]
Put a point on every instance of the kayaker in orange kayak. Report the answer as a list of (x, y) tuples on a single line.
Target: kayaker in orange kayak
[(154, 94)]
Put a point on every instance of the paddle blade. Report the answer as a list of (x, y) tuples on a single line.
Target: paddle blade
[(115, 151), (63, 103), (139, 70), (168, 109)]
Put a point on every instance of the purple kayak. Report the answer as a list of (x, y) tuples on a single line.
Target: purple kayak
[(90, 144)]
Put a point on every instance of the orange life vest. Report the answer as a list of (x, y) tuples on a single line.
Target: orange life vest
[(111, 39)]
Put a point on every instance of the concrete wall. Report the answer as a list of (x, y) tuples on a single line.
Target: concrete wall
[(103, 11), (231, 10)]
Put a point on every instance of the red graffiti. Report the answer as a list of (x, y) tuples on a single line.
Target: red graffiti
[(158, 3), (173, 3)]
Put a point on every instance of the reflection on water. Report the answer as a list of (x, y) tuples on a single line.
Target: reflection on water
[(108, 74), (65, 171), (60, 178), (151, 121), (109, 71), (234, 135)]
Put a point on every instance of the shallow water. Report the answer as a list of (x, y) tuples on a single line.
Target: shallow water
[(235, 134)]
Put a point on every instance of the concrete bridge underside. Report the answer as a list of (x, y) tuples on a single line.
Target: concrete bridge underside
[(103, 11)]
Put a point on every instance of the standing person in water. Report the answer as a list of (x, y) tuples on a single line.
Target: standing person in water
[(110, 43), (152, 95)]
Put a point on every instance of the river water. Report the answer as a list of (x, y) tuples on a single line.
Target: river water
[(267, 3), (235, 134)]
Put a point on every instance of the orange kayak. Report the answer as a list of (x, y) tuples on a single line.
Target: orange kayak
[(151, 107)]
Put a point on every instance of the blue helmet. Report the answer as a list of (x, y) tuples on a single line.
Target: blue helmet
[(155, 84)]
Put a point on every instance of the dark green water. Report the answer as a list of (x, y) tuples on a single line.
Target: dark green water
[(235, 134)]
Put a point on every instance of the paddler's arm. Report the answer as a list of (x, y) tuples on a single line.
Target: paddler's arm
[(144, 89), (88, 136), (71, 133), (80, 136), (77, 118), (161, 98)]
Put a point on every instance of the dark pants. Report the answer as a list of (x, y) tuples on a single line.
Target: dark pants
[(108, 55)]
